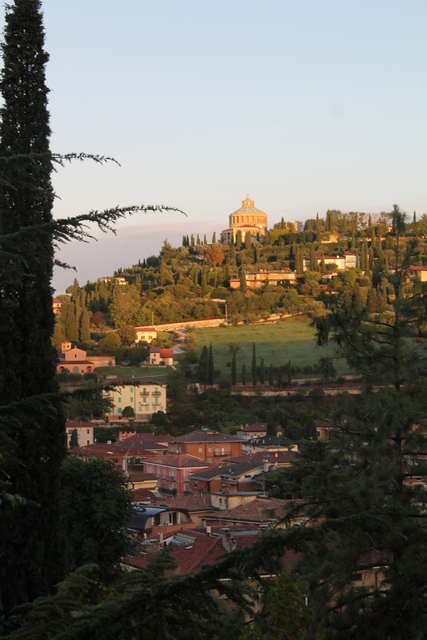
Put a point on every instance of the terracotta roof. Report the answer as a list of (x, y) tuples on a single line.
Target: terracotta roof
[(144, 438), (254, 511), (281, 457), (133, 382), (140, 476), (203, 550), (151, 329), (258, 426), (166, 353), (191, 503), (206, 436), (179, 461), (72, 424)]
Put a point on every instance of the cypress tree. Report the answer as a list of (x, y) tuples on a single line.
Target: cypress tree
[(289, 372), (203, 372), (318, 234), (244, 374), (211, 368), (214, 238), (31, 545), (233, 370), (85, 327), (270, 375), (198, 240), (204, 239), (248, 241), (243, 285), (254, 371), (262, 371), (238, 240), (313, 259)]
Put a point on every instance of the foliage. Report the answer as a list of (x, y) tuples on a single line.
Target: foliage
[(110, 344), (32, 423), (362, 488), (95, 504), (128, 412)]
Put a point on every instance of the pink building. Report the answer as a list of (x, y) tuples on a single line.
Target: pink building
[(75, 361), (173, 471)]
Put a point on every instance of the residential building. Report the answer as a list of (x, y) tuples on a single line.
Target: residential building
[(145, 396), (349, 260), (146, 334), (84, 432), (247, 219), (74, 361), (173, 471), (259, 279), (420, 273), (56, 306), (161, 356), (254, 510), (233, 478), (207, 445), (250, 431)]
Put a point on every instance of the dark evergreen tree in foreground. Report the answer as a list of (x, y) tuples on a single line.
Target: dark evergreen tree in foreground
[(32, 421)]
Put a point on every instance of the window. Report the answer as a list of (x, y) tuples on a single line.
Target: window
[(120, 400), (88, 431), (119, 410), (131, 389), (131, 399), (88, 441)]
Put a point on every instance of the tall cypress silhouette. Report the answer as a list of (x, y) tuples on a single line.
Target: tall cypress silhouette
[(32, 428)]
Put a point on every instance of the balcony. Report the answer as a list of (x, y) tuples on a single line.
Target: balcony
[(222, 452), (157, 394), (144, 394)]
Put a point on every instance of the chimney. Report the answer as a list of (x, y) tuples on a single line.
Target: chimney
[(228, 542), (208, 530)]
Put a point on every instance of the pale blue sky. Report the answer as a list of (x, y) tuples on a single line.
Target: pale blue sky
[(306, 105)]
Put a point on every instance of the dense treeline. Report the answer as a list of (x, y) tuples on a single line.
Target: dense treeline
[(191, 282)]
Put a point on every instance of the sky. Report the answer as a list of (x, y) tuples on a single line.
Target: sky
[(305, 105)]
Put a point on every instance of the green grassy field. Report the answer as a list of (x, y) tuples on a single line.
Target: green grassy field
[(155, 373), (290, 339)]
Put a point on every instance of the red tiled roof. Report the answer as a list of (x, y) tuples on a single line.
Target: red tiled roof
[(72, 424), (206, 436), (254, 511), (179, 461), (258, 426), (146, 329), (281, 457), (166, 353), (203, 551), (191, 503), (140, 476)]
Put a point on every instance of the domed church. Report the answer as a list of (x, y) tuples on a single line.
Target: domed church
[(246, 219)]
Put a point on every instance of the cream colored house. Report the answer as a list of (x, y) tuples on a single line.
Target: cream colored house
[(84, 432), (147, 334), (143, 395)]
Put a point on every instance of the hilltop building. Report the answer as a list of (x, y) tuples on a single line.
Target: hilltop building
[(247, 219)]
